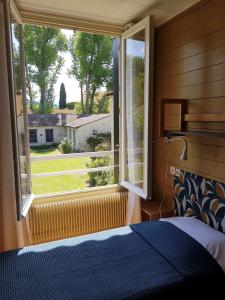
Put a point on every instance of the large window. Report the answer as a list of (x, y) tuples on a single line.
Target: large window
[(33, 135), (49, 135), (89, 157)]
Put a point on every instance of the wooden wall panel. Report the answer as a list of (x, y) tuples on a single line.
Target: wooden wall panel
[(195, 62), (192, 18), (199, 76), (198, 13), (214, 40), (190, 64)]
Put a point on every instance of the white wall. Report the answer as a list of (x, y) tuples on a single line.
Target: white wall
[(58, 135), (85, 131)]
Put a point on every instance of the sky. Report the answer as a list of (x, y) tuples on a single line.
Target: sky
[(71, 84)]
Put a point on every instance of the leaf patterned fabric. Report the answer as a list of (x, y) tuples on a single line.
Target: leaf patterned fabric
[(199, 197)]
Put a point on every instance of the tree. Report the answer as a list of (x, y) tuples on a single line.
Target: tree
[(62, 96), (43, 62), (92, 66)]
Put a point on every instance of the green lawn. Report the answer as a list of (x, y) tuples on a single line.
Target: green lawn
[(57, 183), (46, 166)]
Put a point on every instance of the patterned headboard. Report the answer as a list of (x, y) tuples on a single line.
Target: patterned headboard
[(203, 198)]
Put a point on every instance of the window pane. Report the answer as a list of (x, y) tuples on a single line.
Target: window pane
[(20, 106), (134, 106), (33, 135), (49, 135)]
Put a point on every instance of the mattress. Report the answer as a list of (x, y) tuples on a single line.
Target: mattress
[(143, 261)]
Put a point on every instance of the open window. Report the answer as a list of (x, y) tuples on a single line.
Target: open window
[(137, 108), (134, 136), (16, 72)]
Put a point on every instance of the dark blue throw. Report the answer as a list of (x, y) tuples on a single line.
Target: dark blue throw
[(143, 261)]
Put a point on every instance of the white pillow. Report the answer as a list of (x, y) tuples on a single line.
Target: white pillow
[(208, 237)]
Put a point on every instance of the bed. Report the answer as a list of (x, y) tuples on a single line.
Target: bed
[(143, 261)]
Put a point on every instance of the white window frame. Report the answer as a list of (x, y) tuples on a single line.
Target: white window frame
[(146, 192), (23, 203)]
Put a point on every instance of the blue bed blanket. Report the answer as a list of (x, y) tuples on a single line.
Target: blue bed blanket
[(143, 261)]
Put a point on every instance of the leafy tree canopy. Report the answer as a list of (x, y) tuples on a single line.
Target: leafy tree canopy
[(92, 66), (43, 62)]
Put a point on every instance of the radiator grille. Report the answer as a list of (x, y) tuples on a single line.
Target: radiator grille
[(61, 218)]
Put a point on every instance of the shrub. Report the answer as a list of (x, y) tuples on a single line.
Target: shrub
[(36, 109), (99, 142), (44, 146), (65, 146), (78, 108), (70, 105), (99, 138), (101, 177)]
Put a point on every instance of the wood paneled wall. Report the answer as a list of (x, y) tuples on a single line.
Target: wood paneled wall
[(190, 64)]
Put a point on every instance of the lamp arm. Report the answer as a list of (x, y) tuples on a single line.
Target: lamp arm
[(184, 152)]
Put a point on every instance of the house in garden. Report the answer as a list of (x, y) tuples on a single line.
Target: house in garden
[(83, 127), (48, 129)]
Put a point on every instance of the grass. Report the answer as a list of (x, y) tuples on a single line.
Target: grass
[(57, 183), (58, 165)]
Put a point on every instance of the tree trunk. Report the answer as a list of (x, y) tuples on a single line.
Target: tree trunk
[(92, 101), (87, 98), (82, 98), (42, 100), (103, 102)]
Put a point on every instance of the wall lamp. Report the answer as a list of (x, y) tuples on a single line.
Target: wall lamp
[(184, 151)]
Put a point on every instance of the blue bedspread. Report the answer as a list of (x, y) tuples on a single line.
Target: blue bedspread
[(143, 261)]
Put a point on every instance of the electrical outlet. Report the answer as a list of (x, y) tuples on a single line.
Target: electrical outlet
[(172, 170), (177, 172)]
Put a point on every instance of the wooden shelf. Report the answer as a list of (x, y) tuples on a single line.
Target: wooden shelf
[(150, 210), (175, 117)]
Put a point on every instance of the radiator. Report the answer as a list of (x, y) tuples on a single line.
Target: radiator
[(53, 219)]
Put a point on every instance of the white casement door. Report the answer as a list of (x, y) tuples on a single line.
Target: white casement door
[(137, 108), (17, 84)]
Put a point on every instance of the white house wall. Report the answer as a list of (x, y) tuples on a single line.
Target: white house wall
[(59, 133), (84, 132)]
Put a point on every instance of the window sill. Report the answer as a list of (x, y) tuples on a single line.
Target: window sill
[(27, 204), (98, 189)]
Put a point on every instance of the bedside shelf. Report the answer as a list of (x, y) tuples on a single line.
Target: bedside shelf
[(150, 210), (174, 119)]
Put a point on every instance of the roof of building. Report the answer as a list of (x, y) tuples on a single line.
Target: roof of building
[(39, 120), (83, 120), (70, 120)]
